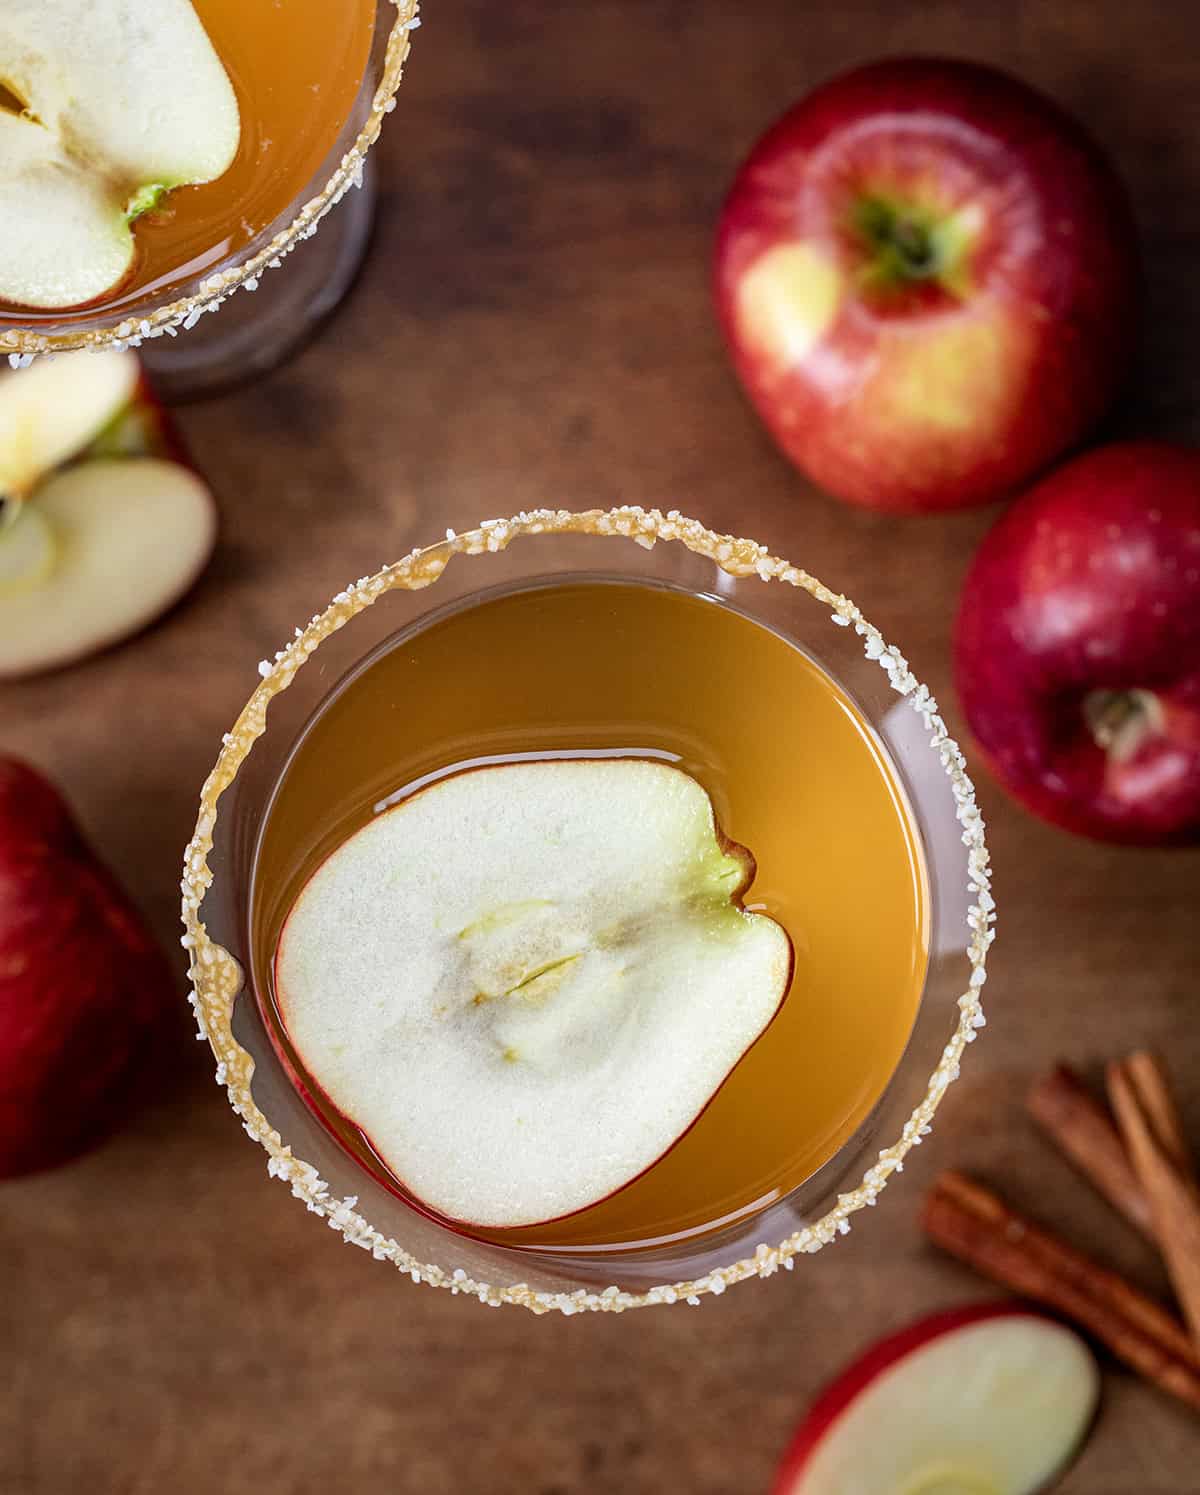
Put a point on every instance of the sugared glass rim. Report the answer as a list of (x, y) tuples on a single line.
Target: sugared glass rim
[(127, 330), (217, 978)]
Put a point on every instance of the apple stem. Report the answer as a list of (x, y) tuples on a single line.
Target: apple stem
[(906, 246), (145, 200), (1120, 720), (912, 242)]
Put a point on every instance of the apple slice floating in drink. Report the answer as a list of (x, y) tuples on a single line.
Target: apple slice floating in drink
[(119, 104), (99, 531), (985, 1400), (525, 982)]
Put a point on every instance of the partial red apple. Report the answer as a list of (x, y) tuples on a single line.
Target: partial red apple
[(927, 275), (992, 1399), (83, 987), (1077, 649)]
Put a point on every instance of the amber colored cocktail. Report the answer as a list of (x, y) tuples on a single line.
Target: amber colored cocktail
[(557, 634), (796, 774)]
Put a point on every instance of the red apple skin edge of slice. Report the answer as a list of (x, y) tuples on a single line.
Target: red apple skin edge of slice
[(321, 1105), (168, 440), (844, 1390), (310, 1089)]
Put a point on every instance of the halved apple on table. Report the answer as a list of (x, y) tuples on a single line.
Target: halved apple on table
[(101, 527), (991, 1399), (118, 105), (525, 981)]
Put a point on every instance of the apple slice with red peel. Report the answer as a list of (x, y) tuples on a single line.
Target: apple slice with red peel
[(525, 981), (130, 534), (142, 428), (50, 411), (987, 1400)]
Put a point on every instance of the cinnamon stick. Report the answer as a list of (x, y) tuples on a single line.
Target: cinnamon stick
[(1148, 1073), (1082, 1129), (1144, 1103), (976, 1226)]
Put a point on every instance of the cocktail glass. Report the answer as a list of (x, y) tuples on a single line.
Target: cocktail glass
[(298, 278), (233, 1007)]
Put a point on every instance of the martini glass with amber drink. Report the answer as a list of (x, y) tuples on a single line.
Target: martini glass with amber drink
[(588, 911), (157, 155)]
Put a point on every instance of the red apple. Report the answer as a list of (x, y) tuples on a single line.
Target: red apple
[(993, 1399), (927, 276), (1078, 645), (82, 985)]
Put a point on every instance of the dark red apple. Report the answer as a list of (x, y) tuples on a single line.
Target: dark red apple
[(1078, 645), (989, 1398), (82, 985), (927, 276)]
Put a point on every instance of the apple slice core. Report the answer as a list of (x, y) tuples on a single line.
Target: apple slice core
[(525, 981), (130, 536), (984, 1400)]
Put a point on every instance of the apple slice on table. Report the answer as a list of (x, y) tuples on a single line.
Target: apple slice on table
[(927, 277), (525, 982), (120, 104), (50, 411), (1077, 645), (83, 987), (27, 551), (985, 1400), (105, 532), (128, 537)]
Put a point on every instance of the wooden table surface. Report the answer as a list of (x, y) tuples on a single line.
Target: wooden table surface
[(533, 327)]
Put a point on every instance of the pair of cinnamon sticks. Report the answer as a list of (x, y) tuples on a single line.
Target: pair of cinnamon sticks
[(1141, 1164)]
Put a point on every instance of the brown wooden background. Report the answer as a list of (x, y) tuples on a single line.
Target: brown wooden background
[(534, 327)]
